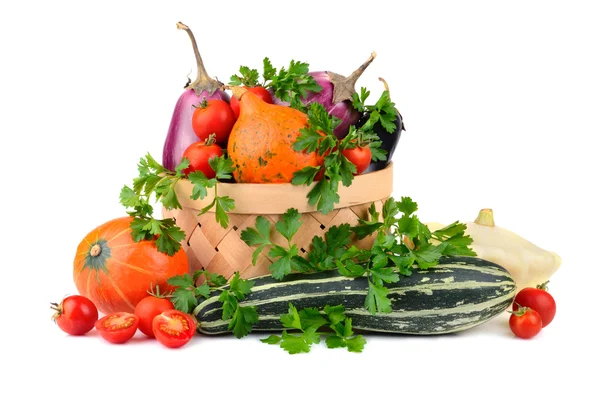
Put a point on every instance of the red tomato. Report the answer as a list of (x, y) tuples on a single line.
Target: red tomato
[(118, 327), (147, 309), (173, 328), (360, 157), (198, 153), (213, 117), (76, 314), (539, 300), (525, 323), (261, 92)]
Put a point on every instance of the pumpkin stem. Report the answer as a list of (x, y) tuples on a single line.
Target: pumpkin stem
[(485, 218), (96, 250), (237, 91), (343, 87), (203, 81)]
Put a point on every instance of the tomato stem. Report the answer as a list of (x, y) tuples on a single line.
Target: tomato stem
[(522, 310), (543, 286)]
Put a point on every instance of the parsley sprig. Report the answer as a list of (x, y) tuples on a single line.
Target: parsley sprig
[(287, 259), (187, 292), (401, 243), (318, 137), (289, 84), (154, 179), (306, 325)]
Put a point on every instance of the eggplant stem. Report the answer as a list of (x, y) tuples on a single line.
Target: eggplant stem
[(343, 87), (203, 81), (385, 84), (353, 78)]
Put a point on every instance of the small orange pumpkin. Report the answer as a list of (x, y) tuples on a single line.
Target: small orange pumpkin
[(260, 143), (115, 272)]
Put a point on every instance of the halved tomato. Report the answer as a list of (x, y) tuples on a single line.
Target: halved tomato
[(173, 328), (118, 327)]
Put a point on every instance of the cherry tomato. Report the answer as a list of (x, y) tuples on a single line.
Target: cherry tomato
[(261, 92), (525, 323), (198, 153), (147, 309), (213, 117), (118, 327), (539, 300), (76, 314), (360, 157), (173, 328)]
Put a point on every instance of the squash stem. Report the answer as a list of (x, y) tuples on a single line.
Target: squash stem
[(203, 81), (485, 218)]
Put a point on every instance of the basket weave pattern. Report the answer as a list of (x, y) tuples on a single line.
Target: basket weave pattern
[(221, 250)]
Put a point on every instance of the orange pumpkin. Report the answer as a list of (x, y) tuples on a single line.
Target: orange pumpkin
[(260, 143), (115, 272)]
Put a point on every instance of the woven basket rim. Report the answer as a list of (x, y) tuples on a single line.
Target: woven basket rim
[(276, 198)]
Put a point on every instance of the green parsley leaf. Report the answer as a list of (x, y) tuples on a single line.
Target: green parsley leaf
[(247, 77), (291, 319), (223, 167), (377, 300), (230, 304), (223, 204), (184, 300), (272, 340), (305, 176), (290, 224), (202, 290), (240, 287), (311, 318), (283, 265), (268, 70), (259, 236), (200, 184), (242, 321), (407, 206), (296, 344)]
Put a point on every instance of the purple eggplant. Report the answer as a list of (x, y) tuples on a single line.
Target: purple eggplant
[(336, 96), (181, 133)]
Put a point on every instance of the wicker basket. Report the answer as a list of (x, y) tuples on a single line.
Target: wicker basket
[(221, 250)]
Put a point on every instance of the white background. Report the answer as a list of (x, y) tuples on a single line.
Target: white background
[(501, 104)]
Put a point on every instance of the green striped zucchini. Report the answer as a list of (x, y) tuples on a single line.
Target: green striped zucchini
[(457, 294)]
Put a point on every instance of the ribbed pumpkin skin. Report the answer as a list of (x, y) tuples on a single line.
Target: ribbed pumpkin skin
[(458, 294), (260, 144), (122, 273)]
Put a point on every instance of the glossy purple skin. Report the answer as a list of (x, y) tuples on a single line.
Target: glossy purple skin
[(342, 110), (181, 134)]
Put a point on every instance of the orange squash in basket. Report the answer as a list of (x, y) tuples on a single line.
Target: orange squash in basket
[(260, 144), (115, 272)]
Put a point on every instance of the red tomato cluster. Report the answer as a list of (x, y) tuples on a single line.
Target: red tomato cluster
[(213, 120), (154, 316), (533, 309)]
